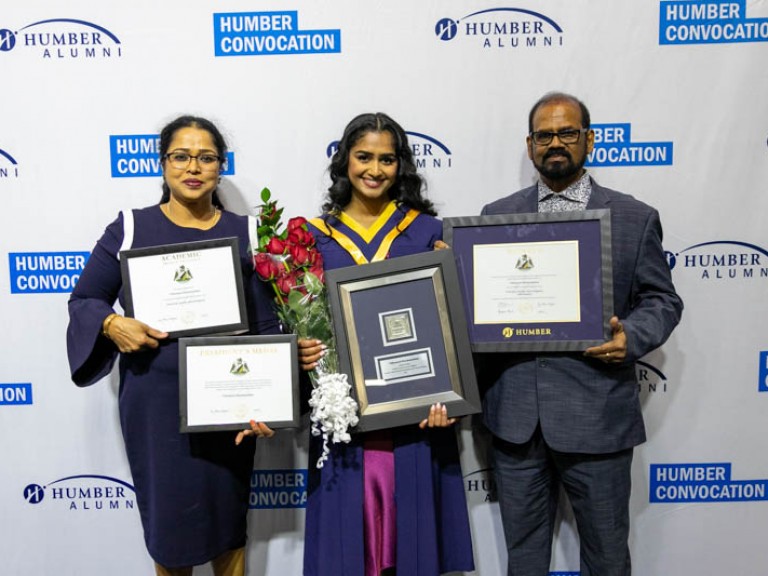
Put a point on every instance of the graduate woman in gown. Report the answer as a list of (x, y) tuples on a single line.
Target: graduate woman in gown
[(192, 489), (391, 501)]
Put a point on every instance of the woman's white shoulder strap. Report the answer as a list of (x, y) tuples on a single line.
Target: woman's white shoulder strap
[(253, 234), (127, 231)]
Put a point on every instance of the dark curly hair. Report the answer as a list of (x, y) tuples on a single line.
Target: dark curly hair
[(407, 189), (187, 121)]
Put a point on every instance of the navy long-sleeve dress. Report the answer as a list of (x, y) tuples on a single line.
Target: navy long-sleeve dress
[(192, 489)]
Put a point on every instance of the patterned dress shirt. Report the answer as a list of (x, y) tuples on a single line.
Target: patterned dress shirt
[(575, 197)]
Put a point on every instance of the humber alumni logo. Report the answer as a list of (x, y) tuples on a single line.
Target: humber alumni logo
[(722, 260), (650, 379), (9, 168), (503, 28), (480, 486), (428, 151), (84, 493), (63, 38)]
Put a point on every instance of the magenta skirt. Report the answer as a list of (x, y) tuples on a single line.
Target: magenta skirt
[(379, 512)]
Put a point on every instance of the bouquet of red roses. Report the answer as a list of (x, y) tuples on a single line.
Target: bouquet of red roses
[(289, 260)]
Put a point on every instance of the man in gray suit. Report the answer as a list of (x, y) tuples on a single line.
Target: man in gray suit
[(573, 419)]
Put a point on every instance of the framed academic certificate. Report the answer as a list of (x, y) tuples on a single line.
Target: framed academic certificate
[(227, 381), (188, 289), (534, 282), (401, 336)]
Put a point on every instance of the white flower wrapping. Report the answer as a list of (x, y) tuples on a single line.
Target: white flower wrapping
[(333, 411)]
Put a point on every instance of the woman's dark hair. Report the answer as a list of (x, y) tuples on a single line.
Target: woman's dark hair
[(407, 189), (167, 134)]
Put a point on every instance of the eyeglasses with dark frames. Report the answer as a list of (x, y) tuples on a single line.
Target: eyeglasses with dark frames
[(180, 160), (569, 136)]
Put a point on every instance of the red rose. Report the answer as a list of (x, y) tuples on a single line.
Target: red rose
[(266, 267), (276, 246), (286, 282), (301, 237), (299, 254), (318, 271), (315, 257), (297, 222)]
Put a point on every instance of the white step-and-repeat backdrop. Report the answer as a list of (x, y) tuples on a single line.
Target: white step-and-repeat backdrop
[(678, 91)]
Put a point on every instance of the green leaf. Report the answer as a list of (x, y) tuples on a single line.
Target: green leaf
[(313, 284), (265, 195), (296, 300)]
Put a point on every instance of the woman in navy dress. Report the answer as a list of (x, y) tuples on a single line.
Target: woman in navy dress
[(192, 489), (390, 501)]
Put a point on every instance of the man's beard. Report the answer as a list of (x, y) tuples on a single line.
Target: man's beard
[(562, 170)]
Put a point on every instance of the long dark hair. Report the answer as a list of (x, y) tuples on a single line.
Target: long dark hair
[(407, 189), (187, 121)]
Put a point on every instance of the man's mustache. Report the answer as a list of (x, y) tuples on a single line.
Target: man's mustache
[(557, 152)]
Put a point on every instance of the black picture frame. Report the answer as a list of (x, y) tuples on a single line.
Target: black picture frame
[(226, 359), (395, 383), (227, 280), (589, 229)]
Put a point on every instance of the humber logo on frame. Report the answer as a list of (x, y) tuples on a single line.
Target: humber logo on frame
[(614, 147), (84, 493), (428, 151), (15, 394), (137, 155), (286, 488), (269, 34), (701, 482), (721, 260), (9, 167), (63, 38), (709, 22), (762, 373), (502, 28)]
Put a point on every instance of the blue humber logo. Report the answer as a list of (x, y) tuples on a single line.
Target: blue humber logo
[(525, 24)]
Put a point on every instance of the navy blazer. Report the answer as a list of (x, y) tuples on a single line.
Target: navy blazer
[(583, 404)]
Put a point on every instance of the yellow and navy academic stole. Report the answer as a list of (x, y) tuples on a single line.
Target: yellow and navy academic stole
[(367, 234)]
